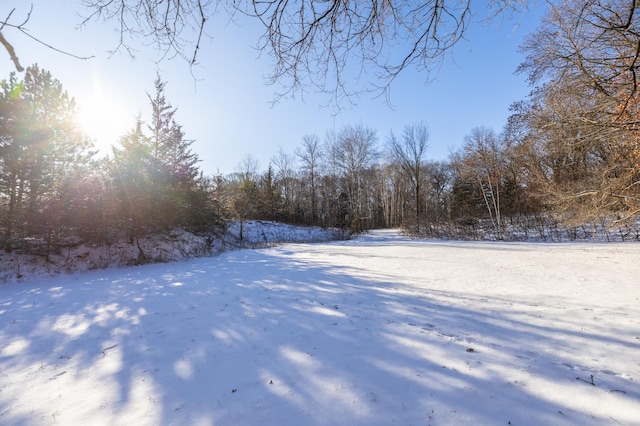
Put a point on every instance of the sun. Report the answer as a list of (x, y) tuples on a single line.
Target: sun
[(102, 118)]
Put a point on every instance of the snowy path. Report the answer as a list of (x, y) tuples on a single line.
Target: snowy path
[(380, 330)]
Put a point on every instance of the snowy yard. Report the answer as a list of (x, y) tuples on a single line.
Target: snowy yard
[(378, 330)]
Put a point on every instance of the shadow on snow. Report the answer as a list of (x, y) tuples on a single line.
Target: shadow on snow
[(258, 336)]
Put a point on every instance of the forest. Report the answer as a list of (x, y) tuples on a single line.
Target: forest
[(566, 165)]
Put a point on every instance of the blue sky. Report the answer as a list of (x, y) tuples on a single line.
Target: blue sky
[(228, 111)]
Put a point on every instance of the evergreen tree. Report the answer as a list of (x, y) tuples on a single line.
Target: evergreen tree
[(40, 147), (134, 178), (168, 143), (158, 183), (175, 162)]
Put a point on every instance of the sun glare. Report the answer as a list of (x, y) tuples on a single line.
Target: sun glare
[(102, 119)]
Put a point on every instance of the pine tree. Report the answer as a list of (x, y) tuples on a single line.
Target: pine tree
[(40, 147), (155, 173), (133, 174), (168, 143), (175, 161)]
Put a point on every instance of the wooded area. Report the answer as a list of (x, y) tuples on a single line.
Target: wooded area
[(566, 164), (54, 190)]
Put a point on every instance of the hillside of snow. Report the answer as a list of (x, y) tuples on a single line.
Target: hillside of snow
[(173, 246), (378, 330)]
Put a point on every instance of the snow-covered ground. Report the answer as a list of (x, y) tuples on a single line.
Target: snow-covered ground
[(173, 246), (378, 330)]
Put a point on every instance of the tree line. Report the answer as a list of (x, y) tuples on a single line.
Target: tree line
[(566, 163)]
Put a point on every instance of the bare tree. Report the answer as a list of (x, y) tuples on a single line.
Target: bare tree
[(391, 196), (408, 153), (285, 177), (245, 189), (321, 44), (594, 44), (352, 151), (438, 177), (584, 62), (175, 27), (310, 155), (8, 46), (314, 42), (481, 162), (17, 20), (248, 168)]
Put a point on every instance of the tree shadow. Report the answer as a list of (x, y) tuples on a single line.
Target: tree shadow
[(268, 337)]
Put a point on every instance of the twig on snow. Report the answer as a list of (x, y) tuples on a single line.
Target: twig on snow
[(586, 381)]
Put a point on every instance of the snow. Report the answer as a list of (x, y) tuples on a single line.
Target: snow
[(377, 330), (173, 246)]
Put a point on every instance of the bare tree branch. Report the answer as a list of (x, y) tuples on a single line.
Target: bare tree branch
[(342, 48), (339, 47), (21, 28), (12, 53)]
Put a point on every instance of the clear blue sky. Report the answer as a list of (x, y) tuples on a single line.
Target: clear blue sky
[(228, 110)]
